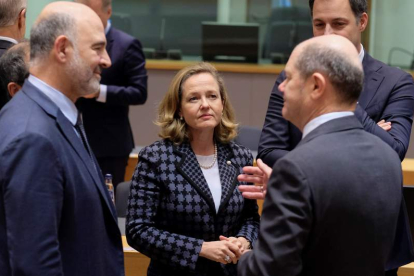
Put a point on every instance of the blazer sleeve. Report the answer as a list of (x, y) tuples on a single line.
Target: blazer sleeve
[(134, 92), (141, 228), (274, 140), (285, 225), (399, 111), (31, 183), (250, 216)]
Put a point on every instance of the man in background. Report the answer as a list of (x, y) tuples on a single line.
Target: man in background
[(125, 83), (12, 23), (386, 105), (332, 203), (14, 70), (56, 215)]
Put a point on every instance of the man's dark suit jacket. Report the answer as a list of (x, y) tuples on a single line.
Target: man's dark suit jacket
[(107, 124), (331, 207), (56, 217), (4, 45), (388, 94), (171, 209)]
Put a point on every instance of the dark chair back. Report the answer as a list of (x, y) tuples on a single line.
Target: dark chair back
[(121, 200), (249, 137)]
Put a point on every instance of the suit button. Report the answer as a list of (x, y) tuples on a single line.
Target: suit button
[(228, 162)]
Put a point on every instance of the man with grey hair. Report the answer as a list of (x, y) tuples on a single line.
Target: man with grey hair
[(12, 23), (56, 215), (106, 115), (332, 203), (14, 69)]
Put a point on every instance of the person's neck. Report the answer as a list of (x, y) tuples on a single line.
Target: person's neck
[(202, 143), (325, 110), (52, 76), (10, 31)]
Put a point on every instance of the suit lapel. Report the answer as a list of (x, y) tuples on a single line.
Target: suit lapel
[(188, 166), (372, 81), (109, 40), (191, 171), (69, 133), (228, 173)]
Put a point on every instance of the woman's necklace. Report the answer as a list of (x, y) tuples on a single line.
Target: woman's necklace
[(214, 159)]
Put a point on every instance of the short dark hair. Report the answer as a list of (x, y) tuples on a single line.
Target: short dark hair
[(45, 32), (358, 7), (13, 68), (346, 78), (10, 10)]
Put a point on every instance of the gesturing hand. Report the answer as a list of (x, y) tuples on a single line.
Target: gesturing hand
[(258, 175), (223, 251)]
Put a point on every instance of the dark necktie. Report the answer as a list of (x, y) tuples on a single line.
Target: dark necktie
[(81, 130)]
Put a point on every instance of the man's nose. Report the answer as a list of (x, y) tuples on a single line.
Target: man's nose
[(105, 60), (328, 30)]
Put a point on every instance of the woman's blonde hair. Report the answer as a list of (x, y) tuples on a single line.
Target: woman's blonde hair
[(173, 128)]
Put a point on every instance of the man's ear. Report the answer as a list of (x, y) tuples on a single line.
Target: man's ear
[(21, 23), (13, 88), (363, 22), (62, 48), (318, 83), (109, 12)]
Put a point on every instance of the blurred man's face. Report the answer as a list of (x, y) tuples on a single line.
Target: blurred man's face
[(336, 17), (103, 13)]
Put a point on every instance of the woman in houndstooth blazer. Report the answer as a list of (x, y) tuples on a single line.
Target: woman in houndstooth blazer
[(185, 211)]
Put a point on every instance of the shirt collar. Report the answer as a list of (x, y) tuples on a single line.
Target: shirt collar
[(67, 107), (108, 26), (314, 123), (361, 53), (12, 40)]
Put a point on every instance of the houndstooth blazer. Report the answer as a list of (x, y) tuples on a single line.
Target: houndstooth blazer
[(171, 210)]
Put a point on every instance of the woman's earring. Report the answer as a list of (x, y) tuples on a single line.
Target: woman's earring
[(181, 118)]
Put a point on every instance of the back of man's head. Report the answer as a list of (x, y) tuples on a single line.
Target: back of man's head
[(9, 11), (358, 7), (14, 70), (337, 59)]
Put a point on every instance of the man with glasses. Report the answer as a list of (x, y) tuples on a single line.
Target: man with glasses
[(12, 23)]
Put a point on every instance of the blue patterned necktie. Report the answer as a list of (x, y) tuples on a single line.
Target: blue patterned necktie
[(81, 130)]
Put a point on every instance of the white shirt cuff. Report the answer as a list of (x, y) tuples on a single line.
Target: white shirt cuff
[(102, 94)]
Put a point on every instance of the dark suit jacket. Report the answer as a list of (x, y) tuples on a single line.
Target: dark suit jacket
[(56, 217), (331, 207), (171, 210), (388, 94), (4, 45), (107, 124)]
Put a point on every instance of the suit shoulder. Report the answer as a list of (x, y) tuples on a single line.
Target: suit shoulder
[(396, 72), (119, 35), (156, 150), (241, 151)]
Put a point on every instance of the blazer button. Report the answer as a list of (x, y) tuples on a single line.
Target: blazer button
[(228, 162)]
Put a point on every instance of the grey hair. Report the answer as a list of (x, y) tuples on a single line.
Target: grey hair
[(45, 32), (9, 11), (358, 7), (345, 77)]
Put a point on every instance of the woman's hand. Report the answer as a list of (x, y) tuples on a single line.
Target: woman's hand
[(223, 251), (241, 242)]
